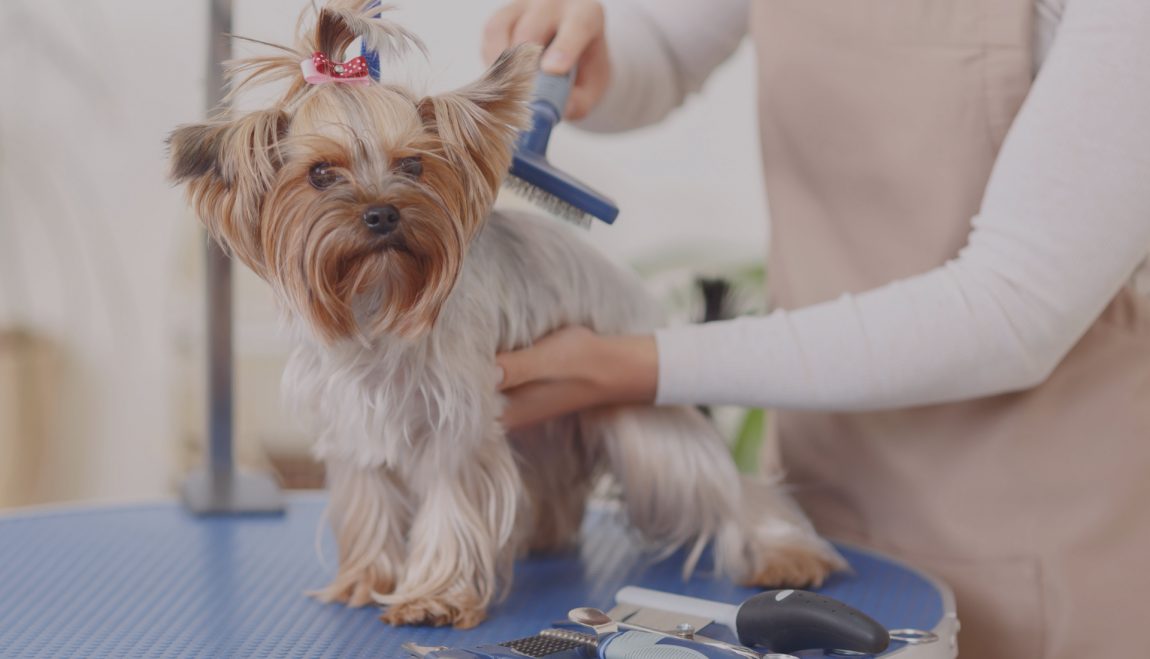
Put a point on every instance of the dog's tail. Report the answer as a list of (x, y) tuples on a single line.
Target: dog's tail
[(679, 483), (681, 489)]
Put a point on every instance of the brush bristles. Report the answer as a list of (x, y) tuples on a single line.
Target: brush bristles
[(548, 202)]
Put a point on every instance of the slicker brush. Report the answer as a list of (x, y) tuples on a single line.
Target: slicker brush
[(532, 175)]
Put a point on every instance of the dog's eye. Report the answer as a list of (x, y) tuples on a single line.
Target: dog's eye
[(322, 175), (411, 166)]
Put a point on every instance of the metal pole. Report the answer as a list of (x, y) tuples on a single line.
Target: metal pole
[(218, 487), (219, 272)]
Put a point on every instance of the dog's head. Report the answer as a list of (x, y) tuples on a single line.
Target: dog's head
[(355, 200)]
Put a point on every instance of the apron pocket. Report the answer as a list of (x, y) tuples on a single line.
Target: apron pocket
[(999, 601)]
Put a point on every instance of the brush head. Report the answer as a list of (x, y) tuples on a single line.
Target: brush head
[(548, 202), (553, 204), (535, 179), (539, 182)]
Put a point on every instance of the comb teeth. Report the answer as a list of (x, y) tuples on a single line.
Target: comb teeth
[(548, 202)]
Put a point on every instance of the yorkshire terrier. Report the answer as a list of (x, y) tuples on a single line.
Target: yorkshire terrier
[(368, 209)]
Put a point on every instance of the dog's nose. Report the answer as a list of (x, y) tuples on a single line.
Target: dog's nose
[(381, 219)]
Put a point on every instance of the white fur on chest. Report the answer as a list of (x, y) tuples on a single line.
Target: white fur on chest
[(524, 276)]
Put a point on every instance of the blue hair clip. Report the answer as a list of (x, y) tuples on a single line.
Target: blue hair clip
[(371, 56)]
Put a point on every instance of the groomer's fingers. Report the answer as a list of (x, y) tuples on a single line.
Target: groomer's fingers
[(574, 369), (581, 23), (591, 81), (520, 367), (497, 32), (540, 401), (538, 23), (564, 354)]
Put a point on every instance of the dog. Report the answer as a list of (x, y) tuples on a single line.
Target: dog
[(368, 209)]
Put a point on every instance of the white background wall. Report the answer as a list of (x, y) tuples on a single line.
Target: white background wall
[(99, 257)]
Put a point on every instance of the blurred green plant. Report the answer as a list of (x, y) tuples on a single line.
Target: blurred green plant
[(749, 440)]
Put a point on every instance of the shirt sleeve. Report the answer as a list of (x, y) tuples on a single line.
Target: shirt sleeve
[(1064, 222), (661, 51)]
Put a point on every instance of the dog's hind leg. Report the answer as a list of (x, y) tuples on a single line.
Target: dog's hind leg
[(681, 487), (773, 543), (558, 466)]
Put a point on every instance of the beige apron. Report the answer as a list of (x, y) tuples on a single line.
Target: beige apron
[(880, 123)]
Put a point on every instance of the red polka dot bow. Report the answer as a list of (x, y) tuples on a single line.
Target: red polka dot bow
[(320, 69)]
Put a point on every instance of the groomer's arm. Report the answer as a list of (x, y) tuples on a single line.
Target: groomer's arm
[(1064, 223), (638, 59)]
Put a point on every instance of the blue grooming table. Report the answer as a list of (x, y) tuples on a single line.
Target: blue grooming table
[(153, 581)]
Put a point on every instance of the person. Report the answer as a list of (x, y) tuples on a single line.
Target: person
[(959, 195)]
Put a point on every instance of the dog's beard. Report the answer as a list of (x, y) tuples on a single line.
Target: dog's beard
[(346, 282)]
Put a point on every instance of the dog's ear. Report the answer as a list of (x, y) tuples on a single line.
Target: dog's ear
[(479, 123), (228, 167)]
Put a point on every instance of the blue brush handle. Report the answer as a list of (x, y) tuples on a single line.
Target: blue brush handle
[(372, 56), (551, 92)]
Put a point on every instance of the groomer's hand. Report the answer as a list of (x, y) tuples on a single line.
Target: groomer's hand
[(575, 369), (574, 29)]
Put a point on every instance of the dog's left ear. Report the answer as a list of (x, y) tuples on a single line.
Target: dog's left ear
[(480, 122), (228, 167)]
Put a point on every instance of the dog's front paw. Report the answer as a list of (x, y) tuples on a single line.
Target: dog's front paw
[(434, 611), (794, 567), (355, 589)]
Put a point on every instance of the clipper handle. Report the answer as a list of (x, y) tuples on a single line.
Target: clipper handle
[(793, 620)]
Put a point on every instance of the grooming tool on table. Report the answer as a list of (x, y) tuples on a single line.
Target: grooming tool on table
[(549, 643), (605, 641), (534, 178), (639, 643), (783, 621)]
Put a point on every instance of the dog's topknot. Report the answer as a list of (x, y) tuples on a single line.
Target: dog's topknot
[(330, 30), (341, 22)]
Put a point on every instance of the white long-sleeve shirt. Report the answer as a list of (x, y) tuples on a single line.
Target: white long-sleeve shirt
[(1065, 221)]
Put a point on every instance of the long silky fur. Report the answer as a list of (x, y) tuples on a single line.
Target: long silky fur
[(412, 407), (393, 369)]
